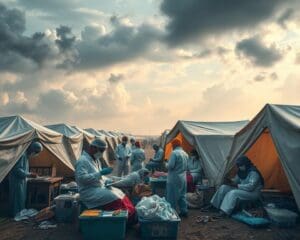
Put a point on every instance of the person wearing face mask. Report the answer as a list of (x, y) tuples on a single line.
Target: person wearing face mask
[(90, 178), (123, 154), (249, 182), (18, 178), (132, 142), (137, 157), (194, 171)]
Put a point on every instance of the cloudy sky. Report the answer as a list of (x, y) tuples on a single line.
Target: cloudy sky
[(139, 66)]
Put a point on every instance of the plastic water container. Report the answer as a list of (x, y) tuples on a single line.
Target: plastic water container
[(282, 217), (104, 227), (159, 229), (66, 207)]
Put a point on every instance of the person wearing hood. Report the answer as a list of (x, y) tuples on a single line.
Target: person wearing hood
[(90, 178), (249, 182), (123, 154), (194, 171), (176, 179), (157, 160), (18, 178), (137, 157)]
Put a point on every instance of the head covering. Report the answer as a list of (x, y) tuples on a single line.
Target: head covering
[(132, 140), (245, 161), (155, 146), (137, 144), (35, 147), (125, 138), (194, 153), (176, 143), (143, 172), (99, 143)]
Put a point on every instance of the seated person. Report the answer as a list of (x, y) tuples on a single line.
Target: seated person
[(137, 157), (157, 161), (249, 182), (134, 178), (89, 178), (194, 171)]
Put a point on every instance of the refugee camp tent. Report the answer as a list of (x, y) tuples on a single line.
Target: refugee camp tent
[(109, 153), (212, 140), (163, 138), (17, 133), (73, 139), (272, 142), (112, 139)]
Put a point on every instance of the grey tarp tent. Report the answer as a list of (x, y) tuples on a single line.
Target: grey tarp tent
[(109, 153), (16, 134), (272, 141), (212, 140), (73, 139)]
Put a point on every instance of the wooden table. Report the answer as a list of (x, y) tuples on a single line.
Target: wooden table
[(41, 191)]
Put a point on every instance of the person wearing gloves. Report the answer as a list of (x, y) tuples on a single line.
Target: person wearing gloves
[(137, 157), (157, 160), (194, 171), (123, 154), (18, 178), (249, 182), (90, 179), (132, 179), (176, 180)]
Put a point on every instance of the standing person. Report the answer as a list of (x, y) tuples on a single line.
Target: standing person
[(157, 160), (89, 177), (18, 178), (132, 142), (123, 154), (176, 180), (194, 171), (249, 182), (137, 157)]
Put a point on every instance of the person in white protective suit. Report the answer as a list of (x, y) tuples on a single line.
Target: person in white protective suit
[(194, 166), (123, 154), (18, 178), (90, 179), (132, 142), (249, 182), (137, 157), (157, 160), (132, 179), (176, 180)]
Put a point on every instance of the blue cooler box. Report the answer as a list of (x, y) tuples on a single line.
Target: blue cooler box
[(159, 229), (104, 226)]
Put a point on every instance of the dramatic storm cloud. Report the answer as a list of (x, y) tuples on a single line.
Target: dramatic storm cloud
[(190, 19), (259, 54)]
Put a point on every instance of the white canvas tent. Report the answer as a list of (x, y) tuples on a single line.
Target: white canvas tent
[(272, 142), (73, 139), (212, 140), (16, 134)]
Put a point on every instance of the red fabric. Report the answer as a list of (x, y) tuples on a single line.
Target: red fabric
[(124, 204), (191, 187)]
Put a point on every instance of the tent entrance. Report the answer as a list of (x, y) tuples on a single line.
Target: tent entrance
[(48, 159), (187, 147), (264, 156)]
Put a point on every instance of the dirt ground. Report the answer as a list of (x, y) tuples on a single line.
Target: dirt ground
[(221, 229)]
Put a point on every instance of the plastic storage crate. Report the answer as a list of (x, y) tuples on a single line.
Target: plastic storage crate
[(159, 186), (159, 229), (103, 227), (66, 207), (282, 217)]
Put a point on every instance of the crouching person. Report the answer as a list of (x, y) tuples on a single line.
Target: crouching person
[(249, 182), (89, 177)]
